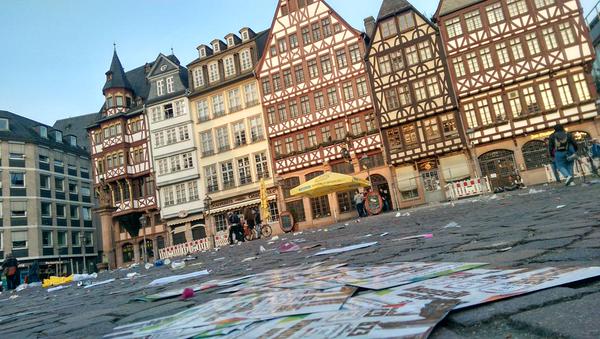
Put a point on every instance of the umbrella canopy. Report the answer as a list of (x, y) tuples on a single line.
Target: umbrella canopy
[(329, 182)]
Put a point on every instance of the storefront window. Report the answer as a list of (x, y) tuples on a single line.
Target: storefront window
[(535, 154)]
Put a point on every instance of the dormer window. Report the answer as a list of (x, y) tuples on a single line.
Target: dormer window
[(73, 140), (160, 87), (109, 102), (128, 101), (44, 132), (58, 136), (202, 52), (119, 101), (170, 87), (216, 47), (230, 42), (4, 125), (245, 35)]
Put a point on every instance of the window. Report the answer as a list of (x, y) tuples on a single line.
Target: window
[(566, 33), (188, 161), (222, 139), (276, 82), (385, 65), (251, 96), (486, 58), (229, 66), (454, 28), (424, 51), (566, 98), (532, 44), (271, 116), (216, 47), (326, 134), (406, 22), (326, 25), (282, 45), (332, 98), (433, 86), (409, 132), (202, 107), (227, 175), (46, 238), (543, 3), (207, 143), (535, 154), (343, 168), (293, 41), (494, 13), (221, 222), (484, 112), (163, 167), (44, 159), (244, 173), (498, 108), (312, 138), (448, 124), (160, 87), (235, 101), (74, 212), (17, 180), (4, 126), (180, 197), (319, 101), (355, 55), (296, 208), (471, 116), (184, 133), (472, 63), (262, 166), (239, 133), (171, 136), (170, 88), (550, 38), (394, 138), (432, 129), (19, 240), (326, 64), (473, 21), (44, 181), (391, 98), (342, 60), (397, 61), (168, 111), (348, 91), (412, 55), (213, 72), (502, 51), (361, 87), (316, 31), (294, 113), (320, 207), (388, 28), (517, 49), (581, 87), (514, 100), (547, 96), (198, 77), (459, 67), (516, 7), (289, 145), (277, 148), (419, 89), (175, 163), (403, 95), (531, 100), (282, 113), (62, 239), (340, 130), (266, 85), (212, 183), (306, 35), (46, 210), (193, 191), (313, 70), (75, 240), (299, 73), (72, 187), (287, 78), (305, 105), (87, 213), (218, 105), (61, 211), (245, 60), (256, 129), (356, 126)]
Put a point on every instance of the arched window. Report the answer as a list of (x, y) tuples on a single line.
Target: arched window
[(127, 252), (198, 232), (535, 153)]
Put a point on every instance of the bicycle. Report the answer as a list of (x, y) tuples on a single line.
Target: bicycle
[(265, 232)]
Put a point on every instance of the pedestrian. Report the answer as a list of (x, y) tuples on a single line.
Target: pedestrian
[(359, 201), (386, 205), (33, 275), (10, 268), (235, 227), (564, 148), (249, 217), (257, 222)]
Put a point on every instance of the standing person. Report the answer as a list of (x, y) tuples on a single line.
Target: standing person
[(10, 267), (359, 201), (564, 148), (249, 217), (257, 221), (235, 227), (33, 275)]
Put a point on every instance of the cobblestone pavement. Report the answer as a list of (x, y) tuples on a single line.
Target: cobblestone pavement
[(536, 231)]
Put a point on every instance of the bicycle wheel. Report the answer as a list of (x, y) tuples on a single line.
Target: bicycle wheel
[(266, 231)]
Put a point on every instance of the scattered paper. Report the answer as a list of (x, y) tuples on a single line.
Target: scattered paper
[(53, 289), (406, 214), (534, 191), (275, 237), (219, 259), (262, 249), (560, 206), (345, 249), (249, 259), (174, 278), (452, 225), (288, 247), (420, 236), (384, 234), (81, 277), (367, 235), (505, 249), (100, 283), (177, 265)]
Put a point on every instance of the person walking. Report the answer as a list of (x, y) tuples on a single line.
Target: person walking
[(359, 201), (235, 226), (564, 148), (10, 268)]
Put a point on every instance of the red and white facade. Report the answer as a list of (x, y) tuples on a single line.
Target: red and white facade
[(318, 108)]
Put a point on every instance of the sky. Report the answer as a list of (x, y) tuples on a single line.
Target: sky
[(54, 53)]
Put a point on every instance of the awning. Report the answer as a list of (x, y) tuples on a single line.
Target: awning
[(191, 218), (239, 205), (455, 167), (406, 178)]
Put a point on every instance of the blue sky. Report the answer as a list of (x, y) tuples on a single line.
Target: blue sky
[(55, 52)]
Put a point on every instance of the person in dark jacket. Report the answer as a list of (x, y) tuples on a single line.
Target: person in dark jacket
[(235, 227), (564, 148), (10, 267), (33, 275)]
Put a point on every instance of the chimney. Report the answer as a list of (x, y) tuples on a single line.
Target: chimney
[(370, 26)]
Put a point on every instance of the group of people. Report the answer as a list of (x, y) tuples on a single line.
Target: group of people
[(12, 273), (236, 228)]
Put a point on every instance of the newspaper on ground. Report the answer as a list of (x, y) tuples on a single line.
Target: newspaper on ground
[(346, 249), (174, 278)]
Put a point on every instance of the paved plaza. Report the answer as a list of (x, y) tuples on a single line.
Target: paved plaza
[(533, 227)]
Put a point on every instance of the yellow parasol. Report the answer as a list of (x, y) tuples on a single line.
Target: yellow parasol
[(265, 214), (329, 182)]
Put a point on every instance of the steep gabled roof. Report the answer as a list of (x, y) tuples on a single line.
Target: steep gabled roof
[(77, 127), (448, 6), (116, 75), (391, 7)]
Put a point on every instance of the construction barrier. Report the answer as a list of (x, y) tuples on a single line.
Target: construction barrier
[(185, 248), (222, 238), (467, 188)]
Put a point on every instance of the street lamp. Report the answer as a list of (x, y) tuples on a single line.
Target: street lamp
[(143, 222), (82, 241), (365, 159)]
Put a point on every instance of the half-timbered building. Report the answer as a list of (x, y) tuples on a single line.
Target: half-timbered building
[(122, 169), (318, 108), (229, 128), (518, 68), (415, 103)]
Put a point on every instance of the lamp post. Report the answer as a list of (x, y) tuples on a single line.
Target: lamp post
[(143, 222), (365, 158), (82, 241), (207, 202)]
